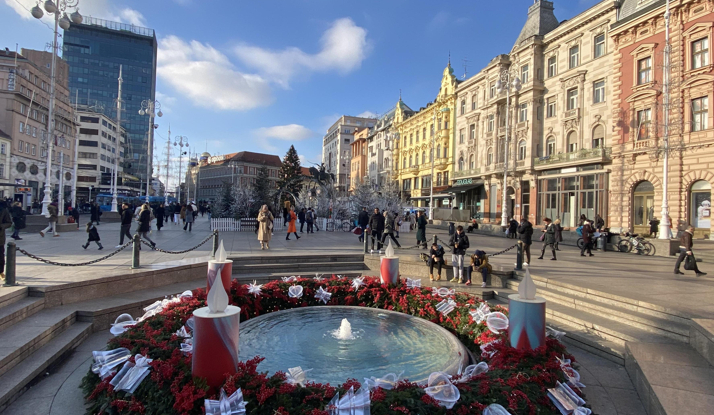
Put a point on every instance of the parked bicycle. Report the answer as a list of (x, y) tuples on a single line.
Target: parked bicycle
[(636, 242), (333, 225)]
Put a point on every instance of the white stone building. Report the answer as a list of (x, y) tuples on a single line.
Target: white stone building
[(336, 151)]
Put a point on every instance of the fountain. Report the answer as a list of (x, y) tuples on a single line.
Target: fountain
[(344, 332)]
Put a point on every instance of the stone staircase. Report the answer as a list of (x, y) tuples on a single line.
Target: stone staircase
[(304, 265)]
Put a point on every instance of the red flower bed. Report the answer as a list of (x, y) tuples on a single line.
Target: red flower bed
[(517, 380)]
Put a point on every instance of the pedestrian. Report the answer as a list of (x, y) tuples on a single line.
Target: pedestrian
[(376, 224), (301, 219), (685, 251), (93, 212), (265, 230), (421, 229), (460, 244), (525, 233), (412, 222), (18, 220), (548, 238), (314, 220), (292, 217), (160, 212), (582, 220), (93, 236), (389, 224), (194, 210), (588, 231), (127, 216), (436, 257), (397, 223), (5, 222), (599, 223), (145, 223), (558, 233), (189, 214), (75, 215), (182, 215), (52, 210), (654, 226), (362, 221), (513, 228), (177, 213), (310, 219), (208, 212), (286, 211), (479, 263)]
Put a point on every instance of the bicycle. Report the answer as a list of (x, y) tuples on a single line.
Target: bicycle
[(344, 226), (636, 242), (593, 240)]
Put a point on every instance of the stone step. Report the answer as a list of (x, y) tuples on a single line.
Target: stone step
[(670, 379), (16, 380), (298, 267), (263, 278), (27, 336), (267, 258), (675, 331), (701, 338), (15, 312), (9, 295)]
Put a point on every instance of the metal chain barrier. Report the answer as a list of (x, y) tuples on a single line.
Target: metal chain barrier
[(490, 256), (81, 264), (177, 252)]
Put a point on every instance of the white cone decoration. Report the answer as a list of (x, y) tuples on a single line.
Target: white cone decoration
[(389, 252), (217, 298), (221, 253), (527, 288)]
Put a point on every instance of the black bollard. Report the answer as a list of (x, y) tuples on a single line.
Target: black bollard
[(519, 256), (136, 244), (215, 244), (366, 241), (10, 264), (435, 240)]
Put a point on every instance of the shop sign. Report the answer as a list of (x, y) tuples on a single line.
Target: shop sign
[(464, 182)]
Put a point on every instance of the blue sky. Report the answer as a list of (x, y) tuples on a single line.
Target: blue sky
[(262, 75)]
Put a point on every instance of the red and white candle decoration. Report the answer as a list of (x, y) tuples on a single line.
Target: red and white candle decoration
[(220, 267), (215, 337), (389, 266)]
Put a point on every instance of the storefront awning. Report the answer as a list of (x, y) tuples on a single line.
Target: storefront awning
[(463, 189), (437, 196)]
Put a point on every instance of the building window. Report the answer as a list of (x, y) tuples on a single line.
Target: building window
[(700, 53), (463, 107), (410, 161), (550, 112), (550, 147), (523, 113), (572, 142), (27, 148), (461, 136), (22, 127), (461, 164), (404, 163), (472, 162), (599, 92), (411, 139), (472, 132), (574, 56), (522, 150), (572, 99), (525, 72), (599, 46), (552, 66), (492, 92), (489, 157), (598, 136), (474, 102), (438, 151), (490, 122), (20, 146), (644, 118), (644, 71), (423, 157), (700, 114), (3, 148)]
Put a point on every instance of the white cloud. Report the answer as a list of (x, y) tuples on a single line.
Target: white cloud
[(132, 16), (167, 102), (344, 47), (95, 8), (290, 133), (368, 114), (208, 78)]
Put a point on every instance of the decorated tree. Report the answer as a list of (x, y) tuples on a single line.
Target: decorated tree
[(225, 204), (290, 174), (389, 197), (261, 187), (363, 196), (245, 205)]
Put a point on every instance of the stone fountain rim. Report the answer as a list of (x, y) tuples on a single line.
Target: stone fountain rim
[(456, 345)]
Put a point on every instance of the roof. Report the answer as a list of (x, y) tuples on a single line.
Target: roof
[(632, 8), (305, 171), (3, 134), (541, 20), (257, 158)]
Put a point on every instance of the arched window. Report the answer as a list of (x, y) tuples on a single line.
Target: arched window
[(404, 163), (489, 157), (701, 204), (417, 136), (643, 203), (438, 151), (550, 147), (598, 136), (386, 162), (411, 139), (572, 142), (423, 157), (405, 141), (472, 162), (446, 150), (410, 161), (522, 150), (463, 107), (461, 164)]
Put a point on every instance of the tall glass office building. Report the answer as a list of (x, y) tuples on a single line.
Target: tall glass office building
[(94, 51)]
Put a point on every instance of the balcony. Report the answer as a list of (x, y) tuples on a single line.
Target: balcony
[(638, 144), (571, 114), (467, 173), (584, 156), (426, 191), (441, 163), (414, 169)]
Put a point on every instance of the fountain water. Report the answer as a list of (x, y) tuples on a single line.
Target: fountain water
[(344, 332)]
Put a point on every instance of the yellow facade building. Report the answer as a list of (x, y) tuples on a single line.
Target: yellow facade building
[(419, 133)]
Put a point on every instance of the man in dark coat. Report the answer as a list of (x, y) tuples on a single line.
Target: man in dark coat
[(460, 244), (376, 224), (127, 216), (421, 229), (363, 221), (18, 219), (587, 238), (94, 213), (301, 219), (5, 222), (525, 233), (512, 228), (685, 250), (548, 238)]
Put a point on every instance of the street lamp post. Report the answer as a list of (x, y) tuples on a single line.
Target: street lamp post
[(507, 80), (115, 173), (150, 108), (168, 161), (181, 143), (664, 227), (431, 180), (63, 21)]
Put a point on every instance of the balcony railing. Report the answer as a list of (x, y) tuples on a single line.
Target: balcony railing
[(414, 169), (644, 143), (573, 113), (576, 156), (467, 173)]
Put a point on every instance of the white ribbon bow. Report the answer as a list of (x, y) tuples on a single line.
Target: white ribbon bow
[(351, 403), (318, 278), (290, 279), (446, 306), (295, 291), (226, 405), (495, 409), (497, 322), (297, 376), (442, 390), (255, 288), (122, 324), (131, 375), (567, 401), (572, 374), (472, 371), (480, 313), (413, 283), (357, 283), (182, 332), (443, 292), (388, 382), (105, 361), (187, 346), (323, 295), (551, 332)]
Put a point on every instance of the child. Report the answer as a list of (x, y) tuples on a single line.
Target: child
[(93, 236), (436, 257), (479, 263)]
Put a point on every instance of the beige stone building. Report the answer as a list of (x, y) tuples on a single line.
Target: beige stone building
[(559, 122)]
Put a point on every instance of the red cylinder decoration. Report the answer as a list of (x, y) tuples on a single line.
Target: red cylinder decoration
[(225, 269), (215, 344)]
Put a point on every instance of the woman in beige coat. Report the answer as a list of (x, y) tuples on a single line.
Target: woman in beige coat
[(265, 228)]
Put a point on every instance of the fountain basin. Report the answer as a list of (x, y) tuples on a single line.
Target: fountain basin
[(385, 342)]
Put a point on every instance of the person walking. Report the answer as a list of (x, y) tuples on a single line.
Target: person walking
[(208, 212), (265, 229), (93, 236), (376, 224), (436, 257), (314, 220), (588, 231), (685, 251), (582, 220), (5, 222), (654, 226), (93, 213), (292, 217), (75, 215), (558, 233), (145, 223), (397, 223), (421, 229), (389, 224), (194, 210), (513, 228), (301, 219), (177, 213), (18, 220), (479, 263), (599, 223), (126, 217), (160, 213), (52, 210), (310, 219), (525, 233), (412, 222), (286, 211), (182, 214), (190, 217), (548, 238), (460, 244), (362, 221)]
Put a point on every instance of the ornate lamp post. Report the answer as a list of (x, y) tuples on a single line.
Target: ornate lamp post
[(664, 227), (180, 141), (59, 10), (150, 108), (507, 81)]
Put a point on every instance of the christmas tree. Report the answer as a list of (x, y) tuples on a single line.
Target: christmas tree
[(261, 187), (290, 175)]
